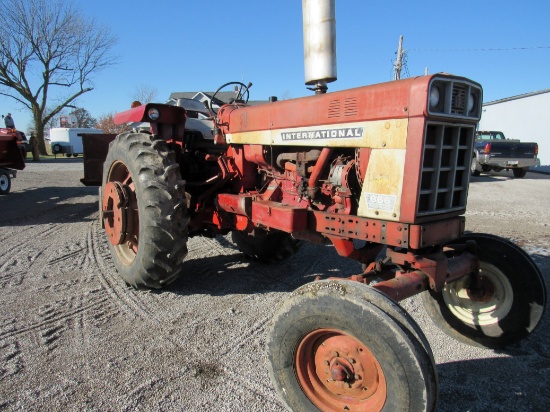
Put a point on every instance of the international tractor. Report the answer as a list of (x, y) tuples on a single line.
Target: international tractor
[(379, 172)]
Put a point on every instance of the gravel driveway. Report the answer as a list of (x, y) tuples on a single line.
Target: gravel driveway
[(73, 336)]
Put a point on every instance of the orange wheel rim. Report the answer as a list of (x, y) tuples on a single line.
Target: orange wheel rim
[(338, 372), (120, 212)]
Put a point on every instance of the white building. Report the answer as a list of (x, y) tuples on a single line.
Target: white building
[(521, 117)]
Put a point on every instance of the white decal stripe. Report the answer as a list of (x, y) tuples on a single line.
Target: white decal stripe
[(389, 134)]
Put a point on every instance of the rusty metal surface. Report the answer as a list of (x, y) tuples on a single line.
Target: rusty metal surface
[(95, 147), (404, 285), (10, 154), (274, 215), (338, 372), (436, 233)]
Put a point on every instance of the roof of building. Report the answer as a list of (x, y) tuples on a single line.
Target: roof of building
[(519, 96), (221, 97)]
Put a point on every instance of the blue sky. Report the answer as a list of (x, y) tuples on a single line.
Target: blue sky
[(185, 45)]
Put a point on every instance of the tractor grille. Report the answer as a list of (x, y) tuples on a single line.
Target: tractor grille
[(458, 100), (445, 168)]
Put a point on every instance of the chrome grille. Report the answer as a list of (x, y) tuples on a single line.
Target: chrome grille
[(445, 172)]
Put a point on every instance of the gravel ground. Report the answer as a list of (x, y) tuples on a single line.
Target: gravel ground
[(73, 336)]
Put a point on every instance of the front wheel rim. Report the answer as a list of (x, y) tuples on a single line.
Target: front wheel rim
[(4, 182), (482, 309), (337, 372)]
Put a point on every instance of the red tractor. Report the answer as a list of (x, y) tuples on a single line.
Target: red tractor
[(380, 172), (12, 157)]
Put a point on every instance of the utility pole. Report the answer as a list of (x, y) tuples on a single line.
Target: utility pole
[(398, 64)]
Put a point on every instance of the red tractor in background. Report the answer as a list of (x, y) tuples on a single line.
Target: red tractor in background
[(380, 172), (12, 157)]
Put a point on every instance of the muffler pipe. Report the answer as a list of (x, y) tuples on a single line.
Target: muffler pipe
[(319, 25)]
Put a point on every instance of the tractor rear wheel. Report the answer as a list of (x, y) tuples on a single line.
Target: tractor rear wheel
[(144, 210), (266, 247), (341, 345), (503, 306)]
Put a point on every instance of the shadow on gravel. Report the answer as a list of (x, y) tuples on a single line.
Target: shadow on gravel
[(495, 384), (236, 274), (517, 381), (59, 159), (47, 205)]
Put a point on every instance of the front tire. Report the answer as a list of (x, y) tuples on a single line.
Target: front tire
[(144, 210), (505, 307), (5, 182), (341, 345)]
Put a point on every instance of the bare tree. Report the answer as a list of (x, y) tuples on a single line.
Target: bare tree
[(107, 124), (144, 94), (286, 95), (49, 53)]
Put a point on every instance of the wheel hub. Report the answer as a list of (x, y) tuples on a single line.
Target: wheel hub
[(481, 291), (336, 371), (116, 212), (341, 370), (485, 302)]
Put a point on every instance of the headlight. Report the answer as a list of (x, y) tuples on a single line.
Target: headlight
[(454, 97), (471, 102), (153, 113), (434, 97)]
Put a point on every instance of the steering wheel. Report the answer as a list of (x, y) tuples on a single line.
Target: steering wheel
[(240, 96)]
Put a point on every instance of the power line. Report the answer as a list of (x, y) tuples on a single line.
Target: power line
[(483, 49)]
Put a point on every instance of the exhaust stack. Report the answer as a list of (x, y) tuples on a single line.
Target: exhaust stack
[(319, 21)]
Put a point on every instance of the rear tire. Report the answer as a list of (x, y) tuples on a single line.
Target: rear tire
[(506, 308), (519, 173), (144, 210), (5, 182), (266, 247), (341, 345), (474, 167)]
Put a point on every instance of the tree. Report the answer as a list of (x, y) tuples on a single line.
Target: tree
[(49, 53), (144, 94), (107, 124), (83, 117)]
